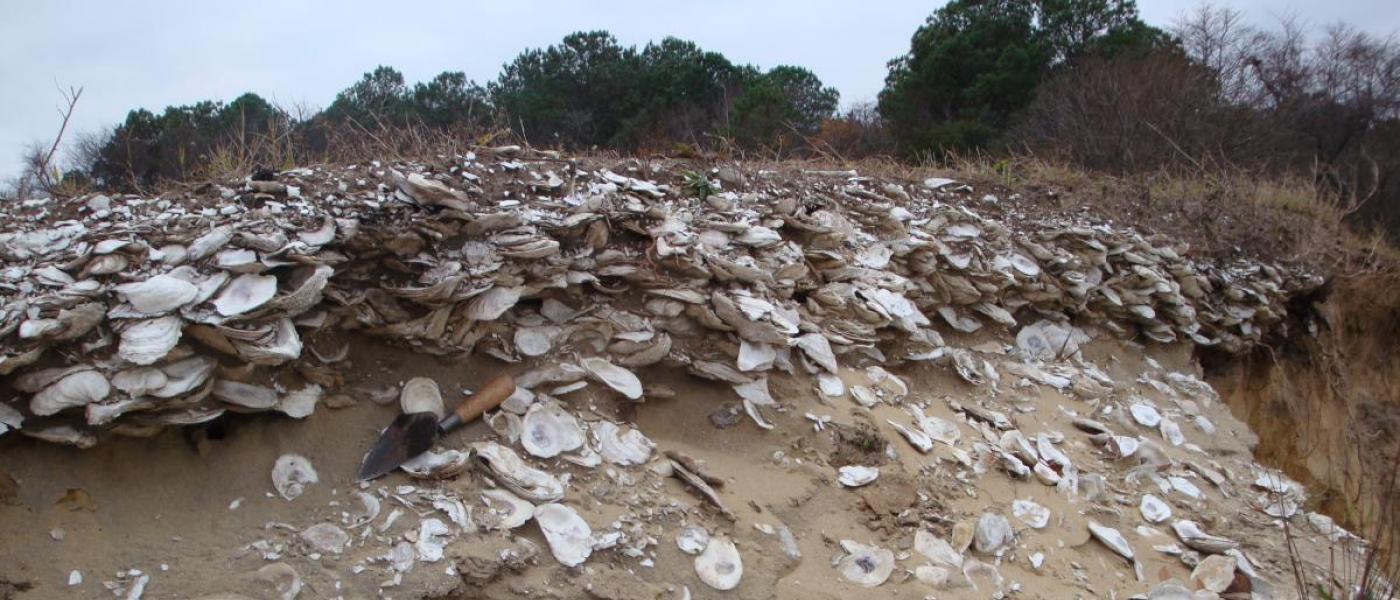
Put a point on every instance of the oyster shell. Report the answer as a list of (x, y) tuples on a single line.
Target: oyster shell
[(548, 429), (621, 447), (326, 538), (569, 536), (693, 540), (436, 465), (72, 391), (1110, 537), (857, 475), (1031, 513), (619, 379), (245, 294), (992, 534), (936, 549), (1153, 509), (510, 471), (291, 474), (422, 395), (1191, 534), (158, 295), (146, 342), (720, 565), (505, 510), (866, 566), (243, 395)]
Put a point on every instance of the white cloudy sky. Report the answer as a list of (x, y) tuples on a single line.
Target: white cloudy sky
[(142, 53)]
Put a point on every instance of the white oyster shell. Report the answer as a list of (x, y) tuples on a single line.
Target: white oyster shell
[(245, 294), (422, 395), (158, 295), (857, 475), (866, 566), (1145, 415), (613, 376), (936, 549), (326, 538), (1031, 513), (526, 481), (720, 566), (548, 429), (692, 540), (622, 446), (1110, 537), (291, 474), (436, 465), (506, 510), (569, 536), (146, 342), (992, 534), (536, 341), (1153, 509), (244, 395), (77, 389)]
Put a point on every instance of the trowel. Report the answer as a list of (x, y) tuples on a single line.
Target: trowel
[(423, 420)]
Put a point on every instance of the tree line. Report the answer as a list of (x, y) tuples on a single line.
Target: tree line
[(1086, 82)]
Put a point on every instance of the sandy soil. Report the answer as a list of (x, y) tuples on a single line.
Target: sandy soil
[(184, 508)]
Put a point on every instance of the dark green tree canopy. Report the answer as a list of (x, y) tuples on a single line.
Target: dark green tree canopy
[(586, 91), (576, 93), (976, 62), (380, 95), (450, 99)]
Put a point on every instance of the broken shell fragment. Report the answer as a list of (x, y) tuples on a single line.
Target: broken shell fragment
[(436, 465), (1031, 513), (992, 534), (936, 549), (720, 566), (1110, 537), (619, 447), (857, 475), (291, 474), (1196, 538), (326, 538), (866, 566), (692, 540), (569, 536), (506, 510)]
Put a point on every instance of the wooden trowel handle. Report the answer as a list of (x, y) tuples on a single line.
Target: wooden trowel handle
[(488, 397)]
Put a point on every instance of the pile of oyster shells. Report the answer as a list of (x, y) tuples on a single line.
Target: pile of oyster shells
[(126, 314)]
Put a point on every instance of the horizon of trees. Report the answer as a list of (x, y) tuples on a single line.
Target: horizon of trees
[(1086, 82)]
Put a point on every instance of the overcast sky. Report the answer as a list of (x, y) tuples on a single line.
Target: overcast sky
[(129, 54)]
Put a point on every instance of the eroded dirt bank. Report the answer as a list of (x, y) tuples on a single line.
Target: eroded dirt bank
[(1324, 398)]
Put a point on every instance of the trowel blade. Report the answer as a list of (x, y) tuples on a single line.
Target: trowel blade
[(408, 436)]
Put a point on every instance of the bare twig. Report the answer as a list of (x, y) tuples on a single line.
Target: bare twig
[(70, 96)]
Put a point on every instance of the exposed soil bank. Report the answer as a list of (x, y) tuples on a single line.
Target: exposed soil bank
[(1324, 399)]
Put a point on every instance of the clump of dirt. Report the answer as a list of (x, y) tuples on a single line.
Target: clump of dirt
[(857, 444)]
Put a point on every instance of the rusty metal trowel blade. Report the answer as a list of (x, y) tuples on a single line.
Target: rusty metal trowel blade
[(408, 436)]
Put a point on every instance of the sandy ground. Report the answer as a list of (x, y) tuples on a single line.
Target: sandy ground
[(165, 506)]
